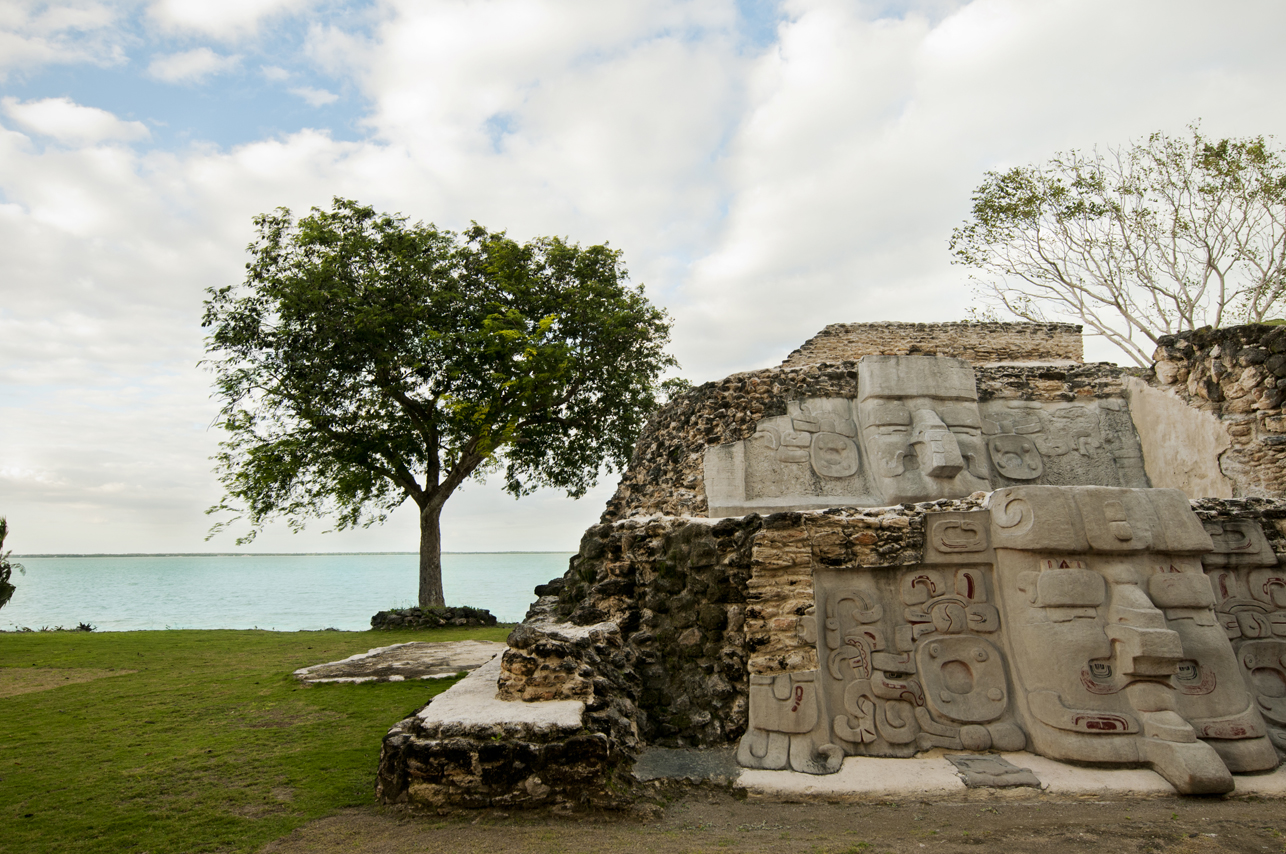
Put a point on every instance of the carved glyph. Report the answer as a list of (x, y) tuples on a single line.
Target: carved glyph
[(1249, 593), (1077, 622), (915, 431)]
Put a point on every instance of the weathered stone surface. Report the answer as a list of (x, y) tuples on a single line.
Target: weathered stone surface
[(469, 748), (1054, 603), (979, 343), (992, 772), (1233, 376), (709, 765), (911, 429), (397, 663)]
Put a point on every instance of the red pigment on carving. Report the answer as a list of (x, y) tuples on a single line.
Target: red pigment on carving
[(929, 586), (1205, 686), (1104, 723), (799, 697), (861, 663)]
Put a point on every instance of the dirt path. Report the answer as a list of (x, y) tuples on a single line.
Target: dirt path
[(714, 821)]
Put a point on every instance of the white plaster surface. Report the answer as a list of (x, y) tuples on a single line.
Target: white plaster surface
[(1181, 444), (931, 777), (472, 701), (860, 778)]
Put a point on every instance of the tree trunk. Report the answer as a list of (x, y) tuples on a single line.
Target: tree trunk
[(431, 557)]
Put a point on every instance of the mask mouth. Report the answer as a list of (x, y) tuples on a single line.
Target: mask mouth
[(935, 445)]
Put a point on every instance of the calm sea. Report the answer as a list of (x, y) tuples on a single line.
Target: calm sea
[(280, 592)]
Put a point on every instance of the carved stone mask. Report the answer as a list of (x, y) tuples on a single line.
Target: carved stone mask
[(920, 427)]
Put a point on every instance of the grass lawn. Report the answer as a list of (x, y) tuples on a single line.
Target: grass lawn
[(188, 741)]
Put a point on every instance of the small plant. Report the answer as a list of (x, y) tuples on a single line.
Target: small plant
[(6, 567)]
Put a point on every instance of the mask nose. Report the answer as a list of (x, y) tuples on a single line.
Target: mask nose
[(935, 446)]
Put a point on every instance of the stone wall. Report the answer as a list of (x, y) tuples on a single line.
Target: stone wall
[(1238, 375), (678, 590), (662, 625), (781, 625), (979, 343), (665, 475)]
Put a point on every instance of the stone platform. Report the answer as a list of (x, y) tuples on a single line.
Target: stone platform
[(932, 776), (399, 662)]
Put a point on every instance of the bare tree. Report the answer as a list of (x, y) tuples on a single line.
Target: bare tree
[(1136, 242)]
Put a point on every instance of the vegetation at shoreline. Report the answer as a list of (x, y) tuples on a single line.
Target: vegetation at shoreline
[(188, 741)]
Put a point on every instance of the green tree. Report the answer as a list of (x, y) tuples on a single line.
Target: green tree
[(365, 361), (1140, 241), (6, 566)]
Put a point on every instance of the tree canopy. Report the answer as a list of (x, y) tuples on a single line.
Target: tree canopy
[(365, 360), (1134, 242)]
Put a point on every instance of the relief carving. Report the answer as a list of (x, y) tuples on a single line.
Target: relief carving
[(1249, 592), (1116, 645), (1063, 443), (1077, 622), (915, 431), (942, 684), (920, 428), (783, 731)]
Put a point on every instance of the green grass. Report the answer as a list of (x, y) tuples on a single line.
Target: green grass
[(210, 746)]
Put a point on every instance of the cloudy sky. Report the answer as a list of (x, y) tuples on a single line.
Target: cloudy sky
[(767, 168)]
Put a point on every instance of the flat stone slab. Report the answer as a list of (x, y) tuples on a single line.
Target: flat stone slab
[(403, 661), (932, 777), (717, 765), (988, 771)]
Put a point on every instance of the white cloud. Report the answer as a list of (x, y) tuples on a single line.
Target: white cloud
[(221, 19), (315, 97), (760, 196), (191, 66), (274, 73), (864, 138), (34, 34), (67, 121)]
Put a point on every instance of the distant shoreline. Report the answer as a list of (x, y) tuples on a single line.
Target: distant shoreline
[(279, 554)]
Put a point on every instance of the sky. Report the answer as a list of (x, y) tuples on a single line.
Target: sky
[(767, 168)]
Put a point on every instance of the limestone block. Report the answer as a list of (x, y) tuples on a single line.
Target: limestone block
[(1169, 373)]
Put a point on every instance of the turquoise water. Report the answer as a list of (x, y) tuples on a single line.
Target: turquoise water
[(280, 592)]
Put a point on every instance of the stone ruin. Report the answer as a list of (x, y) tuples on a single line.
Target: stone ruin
[(902, 539)]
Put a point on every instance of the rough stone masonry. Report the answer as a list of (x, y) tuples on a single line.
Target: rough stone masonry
[(942, 536)]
